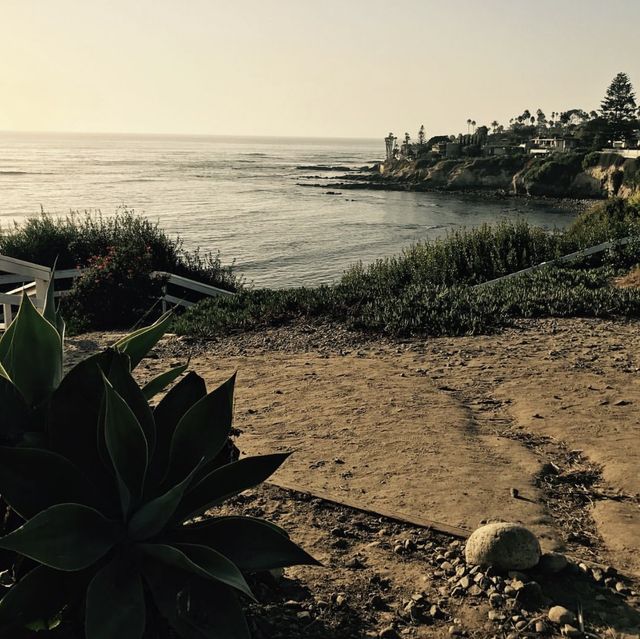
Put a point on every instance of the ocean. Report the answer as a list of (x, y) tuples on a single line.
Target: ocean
[(241, 196)]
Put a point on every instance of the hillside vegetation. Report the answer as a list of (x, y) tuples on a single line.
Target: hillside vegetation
[(428, 289)]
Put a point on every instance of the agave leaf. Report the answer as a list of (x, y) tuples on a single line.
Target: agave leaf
[(49, 310), (65, 537), (227, 481), (202, 431), (195, 608), (40, 594), (140, 342), (199, 560), (127, 448), (154, 515), (15, 416), (168, 413), (74, 418), (160, 382), (251, 544), (3, 373), (33, 479), (33, 356), (120, 377), (115, 603)]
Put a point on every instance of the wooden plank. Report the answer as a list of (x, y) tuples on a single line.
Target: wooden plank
[(10, 299), (192, 285), (178, 300), (33, 271), (413, 520)]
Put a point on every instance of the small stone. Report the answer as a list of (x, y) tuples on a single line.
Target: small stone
[(561, 615), (552, 562), (495, 615), (516, 574), (621, 588), (398, 549), (436, 612), (475, 591), (340, 600), (454, 631), (503, 545), (570, 631), (521, 624), (465, 582), (542, 628), (496, 600), (530, 596), (388, 633), (448, 568)]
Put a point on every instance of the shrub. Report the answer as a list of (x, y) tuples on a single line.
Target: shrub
[(114, 290), (108, 489)]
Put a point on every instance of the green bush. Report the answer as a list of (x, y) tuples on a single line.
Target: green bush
[(591, 159), (114, 290), (111, 494)]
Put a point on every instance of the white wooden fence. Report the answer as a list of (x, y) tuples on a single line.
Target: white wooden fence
[(34, 279)]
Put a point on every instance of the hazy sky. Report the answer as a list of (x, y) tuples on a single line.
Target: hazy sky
[(349, 68)]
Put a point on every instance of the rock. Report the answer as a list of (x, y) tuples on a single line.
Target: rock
[(454, 631), (552, 563), (496, 600), (530, 596), (561, 615), (436, 612), (465, 582), (519, 576), (570, 631), (621, 588), (542, 628), (503, 545)]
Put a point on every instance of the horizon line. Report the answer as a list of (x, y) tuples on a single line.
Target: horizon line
[(192, 135)]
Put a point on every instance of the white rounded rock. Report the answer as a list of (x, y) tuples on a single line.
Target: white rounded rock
[(504, 546)]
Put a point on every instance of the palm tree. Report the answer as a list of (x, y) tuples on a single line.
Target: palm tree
[(468, 125), (473, 124), (494, 125)]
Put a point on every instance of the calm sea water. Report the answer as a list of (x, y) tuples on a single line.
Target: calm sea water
[(240, 196)]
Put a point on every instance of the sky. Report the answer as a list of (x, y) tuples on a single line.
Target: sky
[(326, 68)]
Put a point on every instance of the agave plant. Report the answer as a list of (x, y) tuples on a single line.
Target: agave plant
[(111, 493)]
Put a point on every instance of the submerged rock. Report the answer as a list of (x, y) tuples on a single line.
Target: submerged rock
[(503, 545)]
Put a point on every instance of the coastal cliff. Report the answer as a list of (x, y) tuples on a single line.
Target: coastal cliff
[(573, 175)]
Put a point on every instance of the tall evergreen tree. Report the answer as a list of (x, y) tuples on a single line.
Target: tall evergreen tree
[(618, 108)]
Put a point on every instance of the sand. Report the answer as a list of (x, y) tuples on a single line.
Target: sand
[(446, 428)]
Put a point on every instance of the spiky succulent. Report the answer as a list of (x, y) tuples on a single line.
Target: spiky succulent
[(107, 489)]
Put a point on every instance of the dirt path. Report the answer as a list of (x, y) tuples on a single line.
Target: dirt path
[(446, 428)]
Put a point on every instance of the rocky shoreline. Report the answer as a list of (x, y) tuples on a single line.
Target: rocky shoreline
[(560, 176), (360, 183)]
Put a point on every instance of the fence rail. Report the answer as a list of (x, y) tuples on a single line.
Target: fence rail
[(570, 257)]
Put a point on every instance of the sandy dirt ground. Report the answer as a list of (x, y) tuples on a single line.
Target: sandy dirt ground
[(449, 429)]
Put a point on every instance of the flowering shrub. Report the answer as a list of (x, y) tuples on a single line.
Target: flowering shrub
[(115, 290)]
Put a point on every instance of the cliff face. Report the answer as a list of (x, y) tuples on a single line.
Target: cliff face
[(566, 175)]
